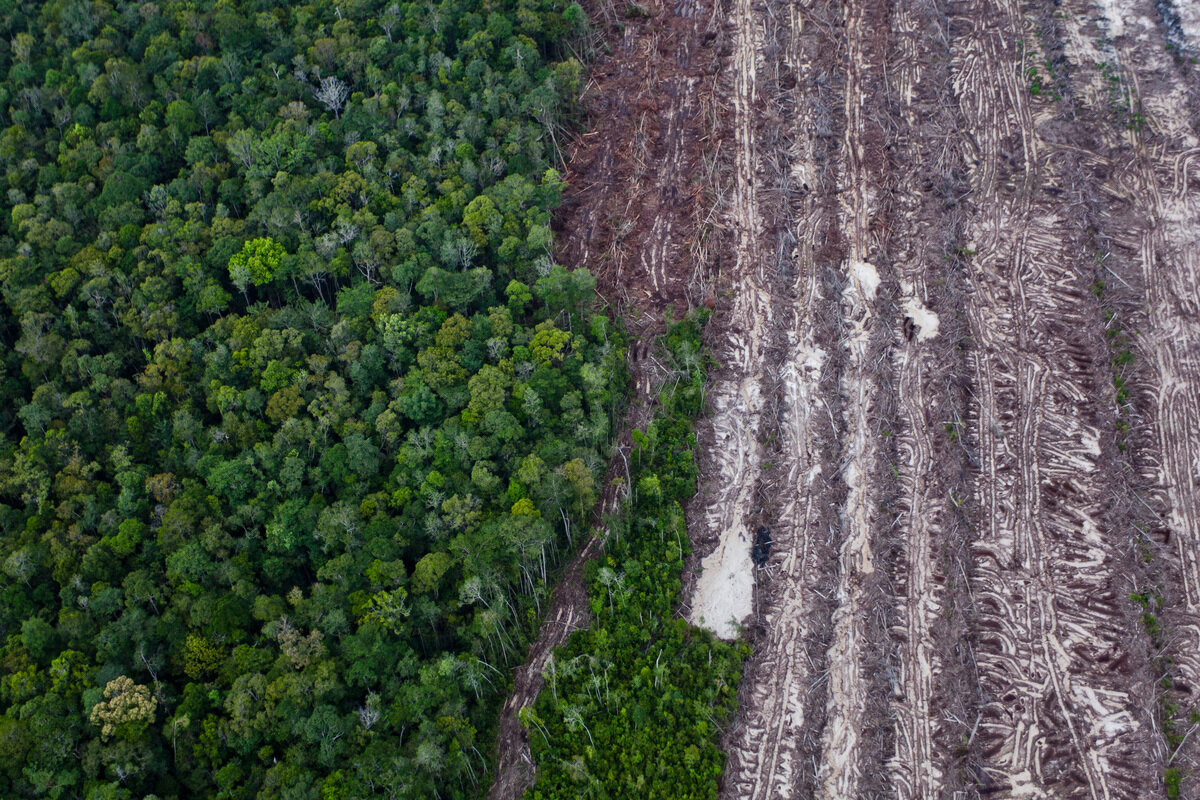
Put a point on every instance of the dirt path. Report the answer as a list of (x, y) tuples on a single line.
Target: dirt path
[(770, 749), (863, 187), (1152, 187), (723, 596), (934, 693), (1047, 571)]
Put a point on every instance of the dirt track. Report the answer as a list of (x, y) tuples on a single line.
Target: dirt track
[(954, 249), (632, 216)]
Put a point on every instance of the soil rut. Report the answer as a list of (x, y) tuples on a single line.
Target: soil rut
[(1046, 568)]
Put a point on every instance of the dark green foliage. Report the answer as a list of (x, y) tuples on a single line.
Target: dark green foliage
[(631, 705), (296, 406)]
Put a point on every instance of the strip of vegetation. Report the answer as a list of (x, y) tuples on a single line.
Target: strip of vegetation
[(632, 707), (1122, 346), (296, 412), (1150, 600), (1171, 717)]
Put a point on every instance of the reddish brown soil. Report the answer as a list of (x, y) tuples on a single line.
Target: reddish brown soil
[(632, 212)]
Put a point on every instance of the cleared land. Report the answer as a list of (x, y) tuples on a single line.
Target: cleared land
[(966, 466), (951, 473)]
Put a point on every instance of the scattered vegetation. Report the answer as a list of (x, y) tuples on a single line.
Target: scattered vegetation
[(1121, 103), (1169, 714), (1150, 600)]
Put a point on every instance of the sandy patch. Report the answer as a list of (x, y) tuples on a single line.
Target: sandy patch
[(866, 277)]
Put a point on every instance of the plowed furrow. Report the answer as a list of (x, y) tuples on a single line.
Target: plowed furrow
[(771, 748), (1055, 721), (925, 697), (861, 175), (1153, 180), (1164, 187)]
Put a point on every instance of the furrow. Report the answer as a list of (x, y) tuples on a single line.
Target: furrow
[(844, 749), (771, 748), (1165, 191), (1153, 182), (1055, 721), (724, 594), (925, 230)]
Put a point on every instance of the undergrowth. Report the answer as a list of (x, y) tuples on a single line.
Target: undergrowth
[(633, 705), (1150, 599)]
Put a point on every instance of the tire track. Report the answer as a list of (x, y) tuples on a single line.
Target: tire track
[(1056, 720), (724, 594), (770, 747), (774, 746), (1059, 713), (1153, 195), (773, 751), (1164, 186), (930, 691)]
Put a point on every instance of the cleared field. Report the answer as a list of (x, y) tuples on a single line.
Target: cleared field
[(935, 440), (951, 474)]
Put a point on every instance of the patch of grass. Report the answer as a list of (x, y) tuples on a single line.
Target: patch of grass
[(1035, 81), (1172, 777)]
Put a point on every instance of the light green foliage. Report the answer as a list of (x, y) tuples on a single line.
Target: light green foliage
[(256, 263), (429, 571), (389, 609), (548, 344), (201, 657), (126, 710), (632, 705)]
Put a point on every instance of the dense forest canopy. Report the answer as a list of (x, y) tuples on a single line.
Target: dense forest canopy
[(298, 412)]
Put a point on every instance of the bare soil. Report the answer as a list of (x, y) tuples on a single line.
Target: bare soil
[(962, 625)]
